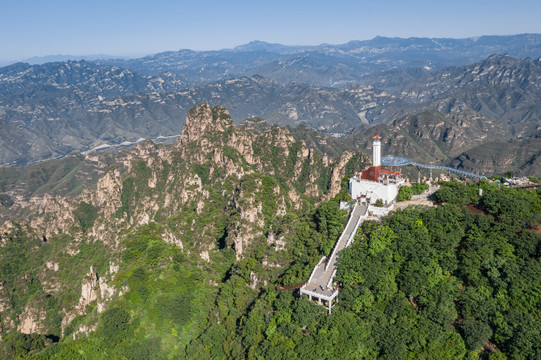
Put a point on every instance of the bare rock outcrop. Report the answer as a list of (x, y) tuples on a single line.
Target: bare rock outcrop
[(84, 330), (89, 290), (4, 300), (31, 320), (202, 120), (5, 230), (108, 192), (169, 237), (96, 288), (57, 214), (337, 173)]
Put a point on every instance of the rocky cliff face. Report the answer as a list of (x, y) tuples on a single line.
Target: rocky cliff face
[(210, 138), (219, 150), (30, 321), (338, 172), (108, 193), (219, 187)]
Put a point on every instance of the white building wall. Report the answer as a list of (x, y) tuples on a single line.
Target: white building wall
[(380, 211), (374, 190)]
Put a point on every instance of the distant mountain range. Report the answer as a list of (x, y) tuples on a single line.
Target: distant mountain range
[(53, 109), (329, 65), (40, 60)]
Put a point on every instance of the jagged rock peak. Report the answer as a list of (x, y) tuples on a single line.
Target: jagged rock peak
[(203, 119)]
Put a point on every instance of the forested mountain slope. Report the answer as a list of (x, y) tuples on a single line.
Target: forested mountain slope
[(177, 251)]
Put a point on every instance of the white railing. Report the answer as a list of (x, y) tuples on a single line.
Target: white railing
[(329, 284), (315, 268), (333, 254), (321, 296)]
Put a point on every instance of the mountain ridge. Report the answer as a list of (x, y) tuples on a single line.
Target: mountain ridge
[(354, 58), (76, 106)]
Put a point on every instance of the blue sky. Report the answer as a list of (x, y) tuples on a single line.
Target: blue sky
[(135, 27)]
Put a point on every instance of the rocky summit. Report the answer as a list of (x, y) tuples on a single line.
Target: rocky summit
[(220, 191)]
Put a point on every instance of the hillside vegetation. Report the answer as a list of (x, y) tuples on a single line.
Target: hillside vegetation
[(429, 283), (178, 256)]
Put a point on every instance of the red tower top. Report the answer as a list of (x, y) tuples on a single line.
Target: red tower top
[(377, 137)]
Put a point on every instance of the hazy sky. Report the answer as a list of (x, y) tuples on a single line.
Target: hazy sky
[(136, 27)]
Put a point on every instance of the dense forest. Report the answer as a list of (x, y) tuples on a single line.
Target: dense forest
[(458, 280)]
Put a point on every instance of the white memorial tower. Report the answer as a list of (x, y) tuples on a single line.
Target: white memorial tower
[(376, 151)]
